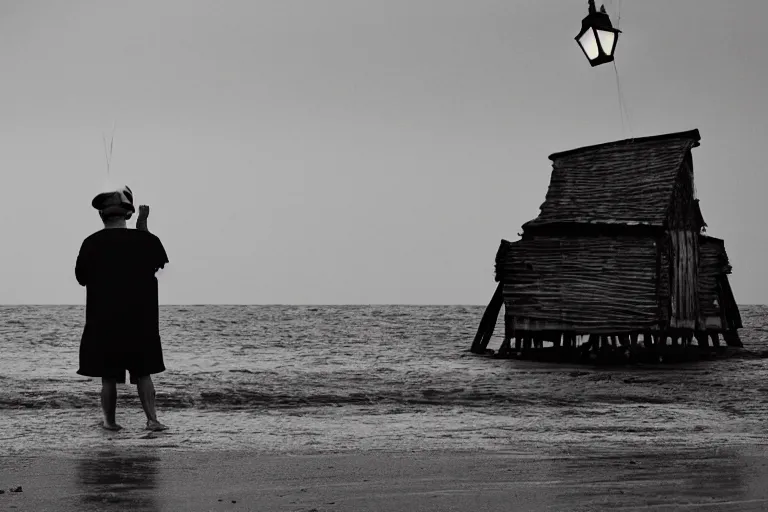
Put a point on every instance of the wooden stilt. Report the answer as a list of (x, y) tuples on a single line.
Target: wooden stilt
[(593, 344), (527, 339), (702, 339), (732, 338), (488, 322), (505, 349)]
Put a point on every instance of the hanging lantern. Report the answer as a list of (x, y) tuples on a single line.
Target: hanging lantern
[(597, 38)]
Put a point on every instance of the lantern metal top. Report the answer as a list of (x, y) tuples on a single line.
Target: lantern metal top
[(597, 19)]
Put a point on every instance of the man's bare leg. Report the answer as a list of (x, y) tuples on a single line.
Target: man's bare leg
[(109, 403), (146, 391)]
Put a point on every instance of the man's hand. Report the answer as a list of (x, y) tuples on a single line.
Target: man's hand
[(141, 221)]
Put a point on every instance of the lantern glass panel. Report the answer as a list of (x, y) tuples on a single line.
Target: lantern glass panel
[(607, 40), (589, 43)]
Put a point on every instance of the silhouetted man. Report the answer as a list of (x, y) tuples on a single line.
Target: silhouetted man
[(117, 266)]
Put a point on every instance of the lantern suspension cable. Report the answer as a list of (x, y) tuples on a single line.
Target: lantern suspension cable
[(623, 111), (618, 96), (108, 149)]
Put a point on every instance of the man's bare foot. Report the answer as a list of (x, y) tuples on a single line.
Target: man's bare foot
[(155, 426), (110, 426)]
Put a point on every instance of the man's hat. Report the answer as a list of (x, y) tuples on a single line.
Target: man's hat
[(115, 202)]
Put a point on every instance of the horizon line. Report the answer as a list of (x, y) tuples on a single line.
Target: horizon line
[(285, 304), (265, 304)]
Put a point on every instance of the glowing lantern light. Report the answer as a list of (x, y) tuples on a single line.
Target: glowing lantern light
[(597, 38)]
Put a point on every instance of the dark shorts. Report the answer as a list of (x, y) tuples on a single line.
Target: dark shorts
[(118, 375), (115, 368), (110, 362)]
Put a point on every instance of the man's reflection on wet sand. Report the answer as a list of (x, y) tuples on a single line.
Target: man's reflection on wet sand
[(117, 481)]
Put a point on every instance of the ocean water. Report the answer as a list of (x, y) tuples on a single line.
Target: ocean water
[(336, 378)]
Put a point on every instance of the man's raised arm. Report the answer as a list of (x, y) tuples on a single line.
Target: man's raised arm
[(141, 220)]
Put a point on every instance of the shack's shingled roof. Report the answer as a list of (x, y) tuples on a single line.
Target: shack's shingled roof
[(623, 182), (588, 284)]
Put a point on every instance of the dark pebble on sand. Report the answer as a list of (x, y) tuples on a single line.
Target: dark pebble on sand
[(234, 501), (2, 491), (221, 499), (17, 489)]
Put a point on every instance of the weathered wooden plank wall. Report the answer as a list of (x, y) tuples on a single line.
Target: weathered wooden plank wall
[(587, 284), (684, 259), (663, 286), (728, 302), (684, 223), (713, 263)]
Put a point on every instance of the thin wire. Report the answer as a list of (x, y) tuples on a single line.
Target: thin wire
[(108, 151), (623, 109), (624, 104), (618, 96), (623, 112)]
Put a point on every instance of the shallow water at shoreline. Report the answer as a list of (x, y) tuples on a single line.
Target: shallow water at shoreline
[(328, 378), (156, 479)]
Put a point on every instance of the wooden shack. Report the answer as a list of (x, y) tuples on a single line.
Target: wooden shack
[(617, 260)]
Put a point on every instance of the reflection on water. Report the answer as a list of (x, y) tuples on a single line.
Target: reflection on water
[(621, 477), (118, 481), (722, 479)]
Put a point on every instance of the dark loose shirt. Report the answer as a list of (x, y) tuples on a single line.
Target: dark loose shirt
[(117, 267)]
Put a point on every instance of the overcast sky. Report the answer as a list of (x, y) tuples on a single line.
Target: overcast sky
[(354, 151)]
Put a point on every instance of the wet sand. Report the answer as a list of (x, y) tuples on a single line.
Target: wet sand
[(154, 480)]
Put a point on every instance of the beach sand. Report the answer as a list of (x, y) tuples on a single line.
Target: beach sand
[(155, 479)]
